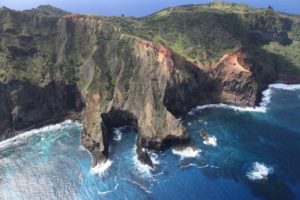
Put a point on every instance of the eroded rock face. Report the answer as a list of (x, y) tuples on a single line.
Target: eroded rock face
[(25, 105), (236, 82), (140, 104)]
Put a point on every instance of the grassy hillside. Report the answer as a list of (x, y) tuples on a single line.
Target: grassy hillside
[(204, 33), (200, 33)]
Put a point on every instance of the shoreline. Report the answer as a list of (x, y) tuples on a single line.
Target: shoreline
[(57, 119), (24, 135), (261, 107), (72, 117)]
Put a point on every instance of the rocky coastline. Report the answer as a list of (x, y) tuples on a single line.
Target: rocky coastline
[(95, 70)]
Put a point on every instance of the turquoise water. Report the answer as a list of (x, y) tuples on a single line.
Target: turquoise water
[(257, 156)]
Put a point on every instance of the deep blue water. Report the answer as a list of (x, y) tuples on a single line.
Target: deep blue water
[(51, 164)]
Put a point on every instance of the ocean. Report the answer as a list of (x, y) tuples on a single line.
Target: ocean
[(252, 153)]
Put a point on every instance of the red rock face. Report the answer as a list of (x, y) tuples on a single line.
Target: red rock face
[(162, 54), (159, 48), (232, 75), (236, 81)]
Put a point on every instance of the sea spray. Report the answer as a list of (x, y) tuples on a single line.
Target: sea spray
[(143, 169), (101, 168), (154, 158), (259, 171), (187, 152), (211, 141)]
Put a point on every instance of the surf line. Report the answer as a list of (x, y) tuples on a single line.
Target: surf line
[(23, 136), (262, 107)]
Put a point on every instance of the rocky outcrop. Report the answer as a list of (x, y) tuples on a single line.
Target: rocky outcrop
[(138, 101)]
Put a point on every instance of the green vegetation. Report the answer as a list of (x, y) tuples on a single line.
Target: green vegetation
[(291, 53), (48, 10), (200, 33)]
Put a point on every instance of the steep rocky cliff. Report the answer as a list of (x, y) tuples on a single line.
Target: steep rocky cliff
[(138, 72), (26, 105)]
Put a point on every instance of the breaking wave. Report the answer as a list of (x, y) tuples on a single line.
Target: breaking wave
[(212, 141), (259, 171), (263, 106), (22, 137), (154, 158), (187, 152), (282, 86), (143, 169), (101, 168)]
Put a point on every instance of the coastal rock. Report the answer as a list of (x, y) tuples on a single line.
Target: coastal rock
[(204, 134), (139, 105)]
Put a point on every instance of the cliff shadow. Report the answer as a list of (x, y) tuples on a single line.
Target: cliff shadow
[(119, 118), (26, 106)]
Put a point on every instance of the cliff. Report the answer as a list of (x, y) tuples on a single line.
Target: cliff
[(140, 72)]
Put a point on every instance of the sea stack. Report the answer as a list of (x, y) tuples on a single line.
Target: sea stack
[(204, 134)]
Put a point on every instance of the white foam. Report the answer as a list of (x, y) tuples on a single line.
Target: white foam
[(154, 158), (109, 191), (263, 106), (144, 188), (194, 165), (158, 174), (187, 152), (101, 168), (225, 106), (143, 169), (213, 166), (22, 137), (282, 86), (259, 171), (117, 134), (212, 141), (81, 148)]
